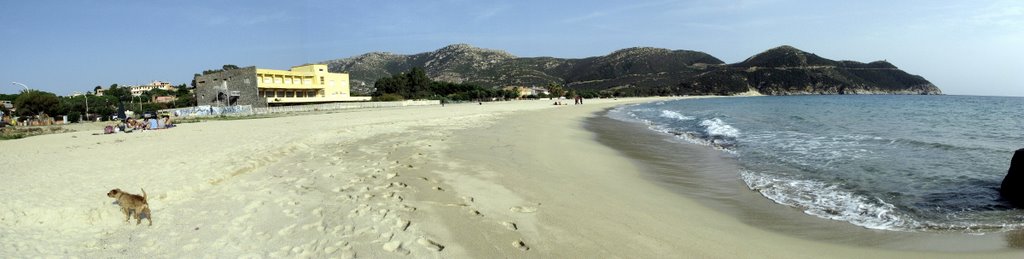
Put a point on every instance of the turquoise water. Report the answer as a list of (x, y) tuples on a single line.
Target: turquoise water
[(913, 163)]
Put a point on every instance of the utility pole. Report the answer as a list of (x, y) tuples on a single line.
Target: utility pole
[(86, 95)]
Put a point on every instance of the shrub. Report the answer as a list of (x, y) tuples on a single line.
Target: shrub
[(388, 98)]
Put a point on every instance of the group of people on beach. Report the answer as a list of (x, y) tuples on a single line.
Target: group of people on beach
[(131, 124), (578, 100)]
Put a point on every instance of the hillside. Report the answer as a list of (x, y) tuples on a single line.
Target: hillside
[(782, 70)]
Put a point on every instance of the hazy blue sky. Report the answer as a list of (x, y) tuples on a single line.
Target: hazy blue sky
[(964, 47)]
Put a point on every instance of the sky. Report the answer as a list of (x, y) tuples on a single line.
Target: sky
[(963, 47)]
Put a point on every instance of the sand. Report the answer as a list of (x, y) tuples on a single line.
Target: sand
[(506, 179)]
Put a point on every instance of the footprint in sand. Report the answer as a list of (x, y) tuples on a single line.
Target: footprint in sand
[(290, 213), (253, 207), (523, 209), (347, 254), (330, 249), (510, 225), (287, 230), (402, 224), (394, 246), (383, 215), (521, 245), (384, 237), (430, 244)]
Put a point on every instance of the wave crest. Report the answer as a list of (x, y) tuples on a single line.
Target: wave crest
[(715, 127), (675, 115), (829, 201)]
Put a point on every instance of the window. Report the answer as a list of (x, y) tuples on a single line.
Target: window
[(266, 80), (307, 81), (300, 93), (289, 93), (311, 93), (288, 80), (321, 80)]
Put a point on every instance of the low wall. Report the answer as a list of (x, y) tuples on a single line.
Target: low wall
[(341, 106), (208, 110), (245, 110)]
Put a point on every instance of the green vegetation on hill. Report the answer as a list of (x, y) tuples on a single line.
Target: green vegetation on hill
[(641, 71), (416, 85)]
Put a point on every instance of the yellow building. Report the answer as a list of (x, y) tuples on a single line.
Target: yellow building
[(261, 87)]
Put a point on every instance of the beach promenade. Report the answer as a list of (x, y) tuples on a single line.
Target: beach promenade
[(520, 179)]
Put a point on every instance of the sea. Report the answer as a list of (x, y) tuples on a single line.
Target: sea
[(888, 162)]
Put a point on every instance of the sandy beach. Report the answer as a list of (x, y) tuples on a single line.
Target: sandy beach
[(498, 180)]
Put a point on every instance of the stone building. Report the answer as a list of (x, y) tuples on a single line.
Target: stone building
[(264, 87)]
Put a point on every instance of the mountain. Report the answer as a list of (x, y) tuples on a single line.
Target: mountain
[(783, 70)]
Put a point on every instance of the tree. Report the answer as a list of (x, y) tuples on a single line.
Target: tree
[(35, 102), (419, 84), (511, 94), (97, 89), (122, 93), (185, 101), (556, 90), (229, 67)]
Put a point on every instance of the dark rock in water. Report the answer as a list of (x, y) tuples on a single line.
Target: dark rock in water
[(1012, 188)]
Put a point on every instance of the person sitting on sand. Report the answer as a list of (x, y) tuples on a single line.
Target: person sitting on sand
[(152, 124), (167, 122), (132, 123)]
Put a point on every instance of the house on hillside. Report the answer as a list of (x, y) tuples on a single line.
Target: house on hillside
[(140, 89), (265, 87), (528, 91)]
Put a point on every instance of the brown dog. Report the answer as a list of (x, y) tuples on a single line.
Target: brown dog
[(132, 203)]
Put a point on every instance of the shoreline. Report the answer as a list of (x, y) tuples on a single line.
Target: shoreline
[(618, 190), (514, 179)]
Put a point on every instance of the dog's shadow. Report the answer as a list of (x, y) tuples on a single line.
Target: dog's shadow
[(142, 215)]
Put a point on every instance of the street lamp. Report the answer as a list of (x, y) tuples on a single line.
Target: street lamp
[(22, 85), (140, 103)]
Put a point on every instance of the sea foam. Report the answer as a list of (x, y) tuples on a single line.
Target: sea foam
[(828, 201), (716, 127), (675, 115)]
